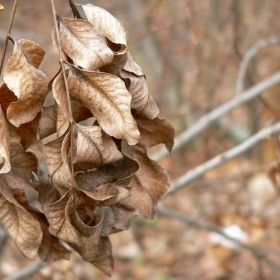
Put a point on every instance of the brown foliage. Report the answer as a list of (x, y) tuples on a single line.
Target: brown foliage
[(99, 175)]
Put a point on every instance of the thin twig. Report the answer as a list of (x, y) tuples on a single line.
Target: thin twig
[(264, 134), (8, 35), (200, 225), (253, 51), (28, 271), (205, 121), (61, 61), (74, 10)]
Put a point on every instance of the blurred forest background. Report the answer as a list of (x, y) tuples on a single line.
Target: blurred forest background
[(191, 52)]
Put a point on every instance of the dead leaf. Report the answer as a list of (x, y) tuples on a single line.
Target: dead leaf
[(5, 165), (142, 101), (22, 227), (109, 101), (132, 67), (60, 95), (116, 65), (56, 155), (1, 7), (156, 131), (107, 26), (149, 184), (93, 150), (83, 44), (33, 52), (29, 84)]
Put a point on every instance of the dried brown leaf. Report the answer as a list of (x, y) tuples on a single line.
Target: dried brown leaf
[(47, 123), (149, 184), (132, 67), (109, 101), (66, 223), (6, 97), (156, 131), (33, 52), (93, 149), (29, 84), (5, 165), (51, 249), (56, 155), (142, 101), (60, 95), (107, 26), (117, 218), (116, 65), (22, 227), (83, 44)]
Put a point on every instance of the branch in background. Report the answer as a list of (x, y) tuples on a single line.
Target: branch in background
[(200, 225), (205, 121), (28, 271), (193, 174), (254, 50)]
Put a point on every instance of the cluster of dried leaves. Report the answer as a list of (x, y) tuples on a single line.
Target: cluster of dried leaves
[(95, 174)]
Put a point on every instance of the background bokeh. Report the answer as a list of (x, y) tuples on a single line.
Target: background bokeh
[(191, 53)]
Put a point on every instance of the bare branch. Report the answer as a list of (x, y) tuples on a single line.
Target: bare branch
[(254, 50), (205, 121), (200, 225), (264, 134), (28, 271)]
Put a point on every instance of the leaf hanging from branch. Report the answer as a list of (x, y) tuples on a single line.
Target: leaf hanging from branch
[(108, 26), (83, 44), (142, 101), (29, 84), (23, 228), (109, 101), (5, 165)]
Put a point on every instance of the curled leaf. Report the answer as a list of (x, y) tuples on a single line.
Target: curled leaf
[(56, 154), (83, 44), (109, 101), (156, 131), (33, 52), (149, 184), (29, 84), (5, 165), (142, 101), (132, 67), (108, 26), (93, 150), (23, 228)]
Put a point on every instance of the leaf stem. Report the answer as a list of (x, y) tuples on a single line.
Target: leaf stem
[(62, 61), (8, 35), (74, 10)]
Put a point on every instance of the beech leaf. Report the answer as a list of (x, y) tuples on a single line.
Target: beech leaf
[(156, 131), (142, 101), (22, 227), (132, 67), (149, 184), (108, 26), (56, 154), (93, 150), (29, 84), (59, 94), (5, 165), (33, 52), (83, 44), (109, 101)]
